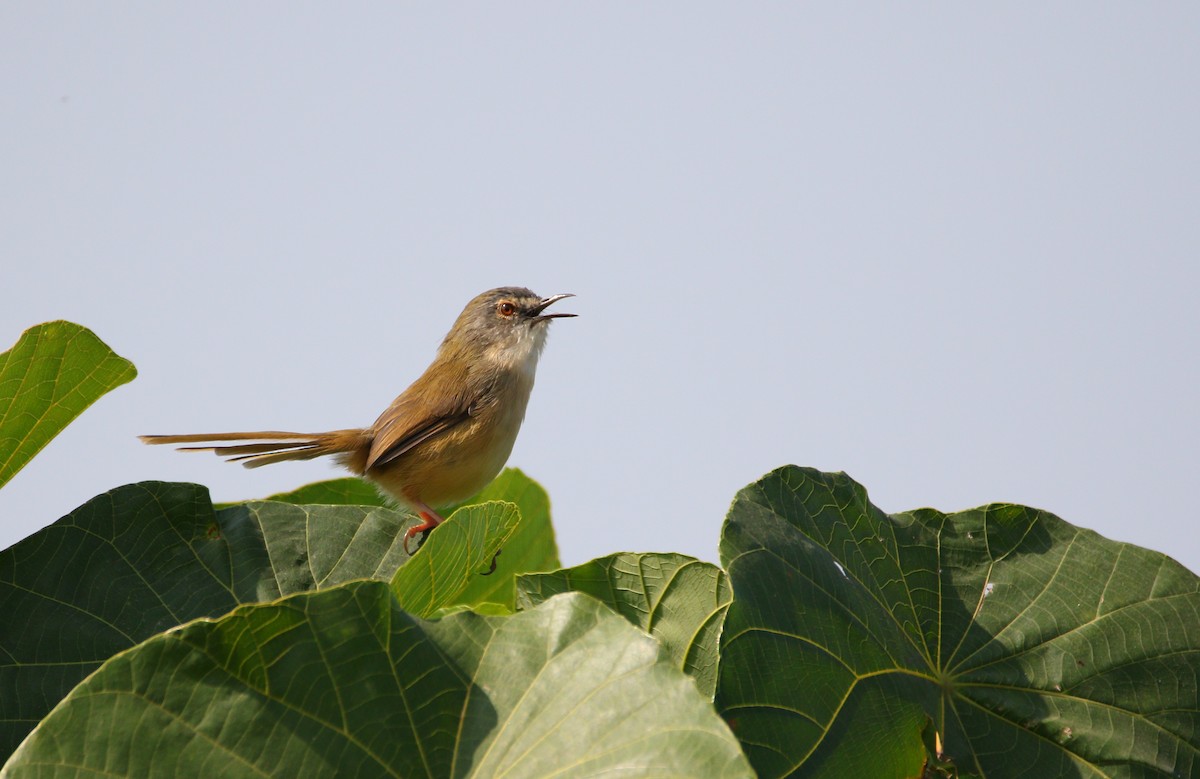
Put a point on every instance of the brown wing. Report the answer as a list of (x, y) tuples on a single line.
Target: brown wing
[(440, 400), (412, 420), (384, 453)]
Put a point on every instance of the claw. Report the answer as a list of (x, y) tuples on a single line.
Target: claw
[(430, 521), (414, 531), (492, 570)]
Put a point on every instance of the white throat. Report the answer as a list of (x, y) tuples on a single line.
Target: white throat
[(523, 355)]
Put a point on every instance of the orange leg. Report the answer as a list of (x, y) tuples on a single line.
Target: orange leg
[(430, 520)]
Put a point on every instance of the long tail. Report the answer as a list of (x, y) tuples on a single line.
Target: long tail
[(272, 446)]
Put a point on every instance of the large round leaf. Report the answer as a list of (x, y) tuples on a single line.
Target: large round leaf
[(48, 378), (146, 557), (679, 600), (1036, 648), (343, 683)]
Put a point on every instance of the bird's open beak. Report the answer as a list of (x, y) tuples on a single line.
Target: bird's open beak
[(536, 311)]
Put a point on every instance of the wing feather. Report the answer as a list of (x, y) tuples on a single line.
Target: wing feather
[(414, 437)]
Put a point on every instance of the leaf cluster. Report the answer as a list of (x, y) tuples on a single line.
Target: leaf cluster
[(150, 633)]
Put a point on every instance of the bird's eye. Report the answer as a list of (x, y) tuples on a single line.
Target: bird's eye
[(506, 308)]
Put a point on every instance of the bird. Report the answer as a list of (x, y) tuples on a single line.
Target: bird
[(448, 434)]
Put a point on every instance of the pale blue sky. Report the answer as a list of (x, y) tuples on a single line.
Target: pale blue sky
[(951, 250)]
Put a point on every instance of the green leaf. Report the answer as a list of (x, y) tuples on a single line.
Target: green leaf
[(344, 683), (677, 599), (455, 555), (531, 547), (335, 492), (1036, 647), (54, 372), (146, 557)]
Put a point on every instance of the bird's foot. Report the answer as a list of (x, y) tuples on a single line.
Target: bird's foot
[(430, 520)]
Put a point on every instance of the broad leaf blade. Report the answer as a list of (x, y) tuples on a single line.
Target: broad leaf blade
[(1037, 648), (287, 549), (343, 683), (574, 690), (54, 372), (679, 600), (146, 557)]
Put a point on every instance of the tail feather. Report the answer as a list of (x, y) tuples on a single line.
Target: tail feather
[(262, 435), (270, 446), (248, 449), (259, 460)]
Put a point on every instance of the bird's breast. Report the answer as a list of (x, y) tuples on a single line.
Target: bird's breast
[(460, 462)]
